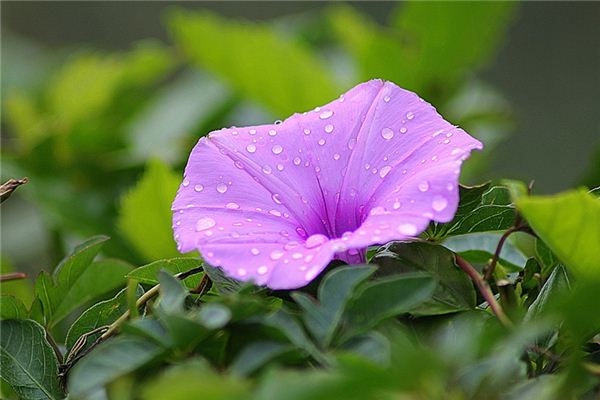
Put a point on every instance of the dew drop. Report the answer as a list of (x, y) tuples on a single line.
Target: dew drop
[(185, 182), (251, 148), (424, 186), (336, 156), (272, 132), (221, 188), (205, 223), (386, 99), (238, 164), (328, 128), (276, 198), (326, 114), (275, 213), (241, 272), (384, 171), (311, 274), (262, 270), (450, 187), (252, 131), (279, 167), (455, 151), (447, 141), (297, 256), (276, 254), (439, 203), (234, 133), (315, 240), (321, 142), (407, 229), (396, 205), (351, 143), (277, 149), (297, 161), (403, 130), (387, 133), (232, 206), (198, 188), (267, 169), (410, 115), (300, 231), (306, 131), (254, 251)]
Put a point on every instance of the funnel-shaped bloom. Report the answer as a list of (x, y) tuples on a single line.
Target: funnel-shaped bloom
[(276, 203)]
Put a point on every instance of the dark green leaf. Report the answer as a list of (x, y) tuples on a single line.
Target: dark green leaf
[(256, 354), (149, 273), (27, 362), (336, 289), (213, 315), (220, 281), (111, 360), (480, 248), (100, 314), (484, 219), (556, 285), (172, 294), (454, 290)]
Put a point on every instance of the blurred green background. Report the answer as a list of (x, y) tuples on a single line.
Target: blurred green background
[(96, 95)]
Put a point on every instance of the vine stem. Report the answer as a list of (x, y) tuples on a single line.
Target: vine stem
[(492, 265), (12, 276), (484, 289)]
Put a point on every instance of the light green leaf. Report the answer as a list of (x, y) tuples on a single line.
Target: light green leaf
[(259, 62), (110, 360), (149, 273), (27, 362), (12, 308), (454, 290), (569, 223), (145, 215), (480, 247)]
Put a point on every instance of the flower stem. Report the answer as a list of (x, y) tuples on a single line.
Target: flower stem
[(484, 289)]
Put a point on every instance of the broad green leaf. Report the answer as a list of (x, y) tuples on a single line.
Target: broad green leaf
[(100, 314), (12, 308), (372, 346), (27, 362), (480, 248), (388, 297), (556, 285), (336, 289), (195, 379), (149, 273), (145, 216), (257, 354), (260, 63), (213, 315), (453, 289), (78, 280), (110, 360), (484, 219), (220, 281), (569, 223), (172, 294)]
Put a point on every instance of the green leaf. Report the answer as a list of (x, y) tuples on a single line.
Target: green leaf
[(12, 308), (213, 315), (195, 379), (100, 314), (389, 297), (220, 281), (110, 360), (556, 285), (480, 248), (453, 290), (257, 354), (569, 223), (27, 362), (485, 218), (145, 214), (78, 280), (335, 291), (149, 273), (278, 72)]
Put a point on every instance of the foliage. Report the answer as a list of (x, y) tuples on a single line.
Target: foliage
[(103, 141)]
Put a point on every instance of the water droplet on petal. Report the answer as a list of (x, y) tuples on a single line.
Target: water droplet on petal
[(336, 156), (276, 198), (300, 231), (239, 164), (311, 274), (410, 115), (403, 130), (241, 272), (205, 223), (386, 99), (267, 169), (407, 229), (326, 114), (306, 131), (328, 128), (351, 143), (255, 251), (277, 149), (232, 206), (424, 186), (276, 254), (198, 188), (384, 171), (221, 188), (387, 133), (446, 141), (297, 161), (262, 270), (275, 213), (297, 256), (315, 240), (251, 148), (272, 132), (455, 151), (450, 186), (396, 205), (439, 203), (321, 142), (252, 131), (185, 182)]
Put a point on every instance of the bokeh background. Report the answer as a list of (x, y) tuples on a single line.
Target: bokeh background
[(96, 95)]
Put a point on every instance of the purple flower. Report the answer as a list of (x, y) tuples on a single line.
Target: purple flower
[(276, 203)]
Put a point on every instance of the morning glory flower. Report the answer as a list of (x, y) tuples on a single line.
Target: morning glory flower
[(274, 204)]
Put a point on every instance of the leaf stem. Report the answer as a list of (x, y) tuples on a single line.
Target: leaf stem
[(484, 289), (492, 265), (12, 276)]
